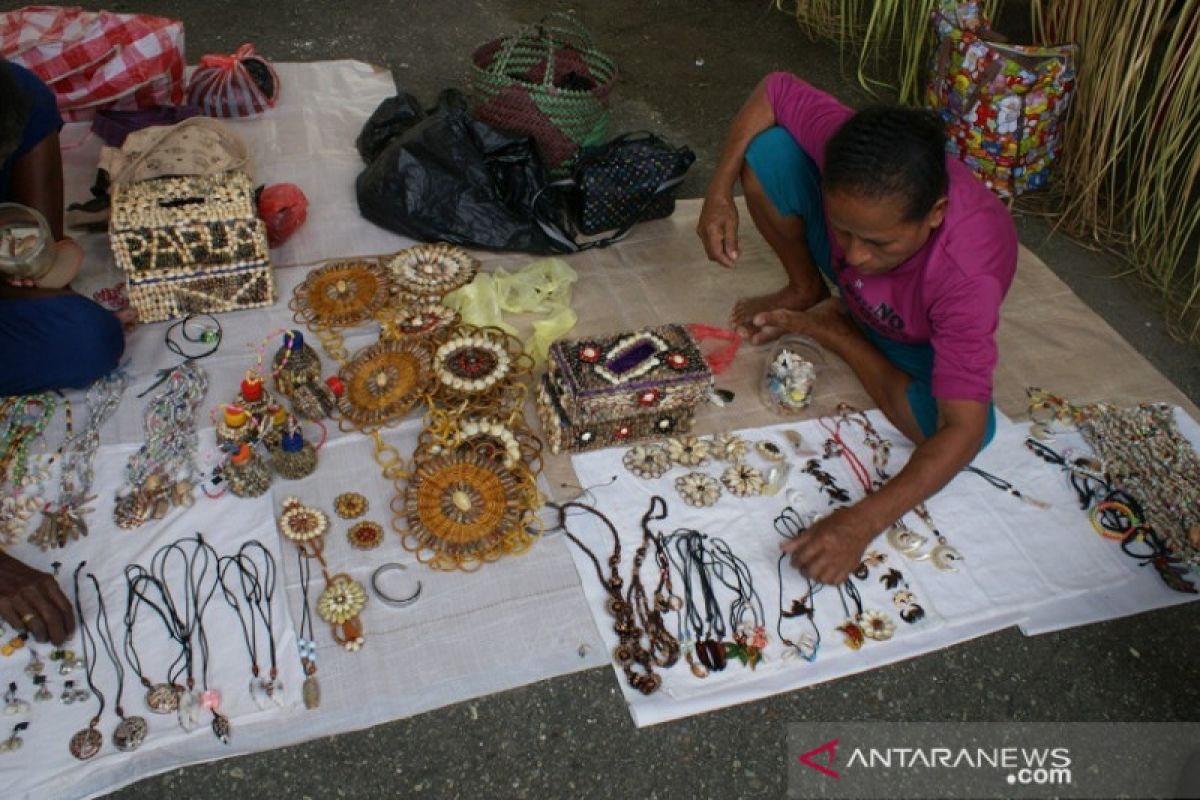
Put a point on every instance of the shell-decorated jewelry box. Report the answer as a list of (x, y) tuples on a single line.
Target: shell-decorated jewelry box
[(563, 433), (631, 373), (191, 244), (623, 388)]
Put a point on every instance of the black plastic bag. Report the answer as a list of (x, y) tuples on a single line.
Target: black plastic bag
[(452, 178), (393, 117)]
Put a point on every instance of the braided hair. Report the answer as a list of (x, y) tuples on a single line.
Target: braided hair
[(890, 151)]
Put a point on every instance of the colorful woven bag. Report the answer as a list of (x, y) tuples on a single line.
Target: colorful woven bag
[(1003, 105), (238, 85), (549, 82)]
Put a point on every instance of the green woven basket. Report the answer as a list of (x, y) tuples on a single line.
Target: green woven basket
[(548, 81)]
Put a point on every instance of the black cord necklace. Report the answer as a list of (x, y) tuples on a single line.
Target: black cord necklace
[(131, 731), (256, 589), (708, 628), (86, 743), (789, 525), (160, 698), (199, 565), (209, 337), (746, 613)]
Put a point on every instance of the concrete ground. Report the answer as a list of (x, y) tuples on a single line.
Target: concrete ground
[(685, 68)]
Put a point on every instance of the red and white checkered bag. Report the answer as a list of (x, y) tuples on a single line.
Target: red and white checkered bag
[(94, 59), (238, 85)]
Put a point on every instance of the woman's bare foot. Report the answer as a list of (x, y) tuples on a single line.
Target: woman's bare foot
[(128, 317), (825, 322), (789, 298)]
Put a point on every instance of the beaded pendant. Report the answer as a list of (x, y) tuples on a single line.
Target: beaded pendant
[(477, 365), (350, 505), (419, 317), (509, 443), (365, 535)]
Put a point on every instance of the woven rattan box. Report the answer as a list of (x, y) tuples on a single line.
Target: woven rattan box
[(190, 245)]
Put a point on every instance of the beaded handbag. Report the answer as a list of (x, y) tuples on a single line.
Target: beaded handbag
[(626, 181), (191, 245)]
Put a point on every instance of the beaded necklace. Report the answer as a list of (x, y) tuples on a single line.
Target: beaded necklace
[(664, 648), (161, 471), (25, 418), (1143, 453), (635, 659), (63, 522)]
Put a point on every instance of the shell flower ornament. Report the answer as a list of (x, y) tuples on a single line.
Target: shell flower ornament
[(647, 461), (877, 625), (698, 490), (688, 451), (728, 447), (339, 605), (302, 523), (743, 480)]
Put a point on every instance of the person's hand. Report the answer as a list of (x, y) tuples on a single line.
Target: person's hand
[(20, 283), (718, 230), (31, 600), (831, 547)]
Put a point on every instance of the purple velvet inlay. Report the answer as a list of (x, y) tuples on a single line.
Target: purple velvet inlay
[(631, 357)]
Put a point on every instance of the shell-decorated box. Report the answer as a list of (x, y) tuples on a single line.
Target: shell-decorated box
[(627, 374), (564, 434), (191, 244)]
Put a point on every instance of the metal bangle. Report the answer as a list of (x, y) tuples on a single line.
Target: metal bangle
[(393, 601)]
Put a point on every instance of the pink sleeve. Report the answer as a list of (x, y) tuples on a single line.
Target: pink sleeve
[(966, 313), (810, 115)]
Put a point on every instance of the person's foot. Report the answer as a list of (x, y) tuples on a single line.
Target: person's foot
[(825, 321), (128, 317), (789, 298)]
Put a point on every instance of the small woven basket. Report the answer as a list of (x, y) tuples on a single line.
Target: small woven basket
[(548, 81)]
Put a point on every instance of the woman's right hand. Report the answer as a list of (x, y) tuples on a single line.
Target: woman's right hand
[(718, 229)]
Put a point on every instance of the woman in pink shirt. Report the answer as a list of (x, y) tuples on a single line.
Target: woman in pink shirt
[(921, 254)]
